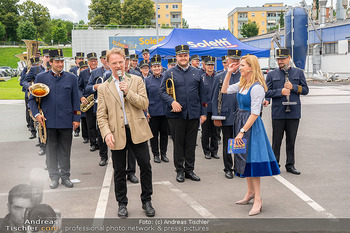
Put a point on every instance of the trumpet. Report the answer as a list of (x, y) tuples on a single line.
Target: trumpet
[(90, 99), (39, 90), (170, 87)]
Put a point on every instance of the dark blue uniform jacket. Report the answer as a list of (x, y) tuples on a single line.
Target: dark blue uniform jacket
[(275, 82), (190, 93)]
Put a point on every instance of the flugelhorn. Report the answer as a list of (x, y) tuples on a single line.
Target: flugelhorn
[(90, 99), (39, 90), (219, 117)]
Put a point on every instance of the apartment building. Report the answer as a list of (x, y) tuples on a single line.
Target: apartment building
[(169, 13), (265, 17)]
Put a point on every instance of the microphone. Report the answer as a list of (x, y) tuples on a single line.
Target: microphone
[(120, 75)]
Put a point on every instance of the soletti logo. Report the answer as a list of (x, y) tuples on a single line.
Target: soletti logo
[(213, 43)]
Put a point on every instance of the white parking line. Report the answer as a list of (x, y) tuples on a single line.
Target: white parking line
[(304, 197), (189, 200), (106, 185)]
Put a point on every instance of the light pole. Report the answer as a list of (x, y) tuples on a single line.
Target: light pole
[(157, 18)]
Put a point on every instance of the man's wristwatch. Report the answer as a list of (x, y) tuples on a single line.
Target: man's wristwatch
[(242, 130)]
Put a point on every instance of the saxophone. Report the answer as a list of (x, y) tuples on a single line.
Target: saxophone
[(39, 90), (90, 99)]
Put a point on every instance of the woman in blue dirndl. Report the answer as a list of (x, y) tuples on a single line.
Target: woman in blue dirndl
[(259, 159)]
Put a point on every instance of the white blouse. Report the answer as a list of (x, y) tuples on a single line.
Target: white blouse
[(257, 95)]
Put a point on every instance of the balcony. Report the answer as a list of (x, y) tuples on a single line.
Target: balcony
[(243, 19), (175, 20)]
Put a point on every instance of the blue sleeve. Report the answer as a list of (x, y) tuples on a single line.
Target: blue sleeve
[(214, 96), (80, 86), (89, 89), (203, 94), (76, 101), (302, 83), (28, 78)]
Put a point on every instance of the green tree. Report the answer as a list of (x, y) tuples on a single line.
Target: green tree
[(36, 13), (26, 30), (2, 31), (137, 12), (282, 19), (59, 33), (9, 18), (104, 12), (184, 23), (250, 29)]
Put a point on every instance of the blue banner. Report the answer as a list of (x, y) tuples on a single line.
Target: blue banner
[(134, 42)]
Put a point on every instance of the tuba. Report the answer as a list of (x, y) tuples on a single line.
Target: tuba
[(39, 90), (90, 99), (32, 49)]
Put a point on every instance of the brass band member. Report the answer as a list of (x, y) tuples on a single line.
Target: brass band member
[(184, 112), (62, 115), (283, 121)]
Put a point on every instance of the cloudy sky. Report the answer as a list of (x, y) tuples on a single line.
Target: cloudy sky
[(208, 14)]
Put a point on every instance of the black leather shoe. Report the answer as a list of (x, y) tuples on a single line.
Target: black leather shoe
[(76, 134), (41, 152), (122, 211), (53, 184), (229, 174), (67, 183), (103, 162), (93, 148), (164, 158), (180, 177), (207, 156), (215, 156), (133, 179), (148, 208), (293, 170), (192, 176), (156, 159), (32, 135), (85, 140)]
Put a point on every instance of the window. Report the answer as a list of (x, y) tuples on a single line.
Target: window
[(331, 48), (158, 7), (270, 14), (167, 25), (167, 16), (158, 16), (166, 6), (242, 15), (263, 31), (263, 14), (263, 23), (175, 6), (253, 14), (175, 16)]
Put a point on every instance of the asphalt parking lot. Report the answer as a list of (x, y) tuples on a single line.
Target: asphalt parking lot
[(321, 191)]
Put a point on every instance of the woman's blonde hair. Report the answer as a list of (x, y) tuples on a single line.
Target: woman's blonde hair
[(257, 75)]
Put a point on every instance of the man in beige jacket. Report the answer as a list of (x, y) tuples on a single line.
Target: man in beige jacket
[(121, 100)]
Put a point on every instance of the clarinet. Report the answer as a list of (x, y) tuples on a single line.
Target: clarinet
[(287, 80), (220, 98)]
